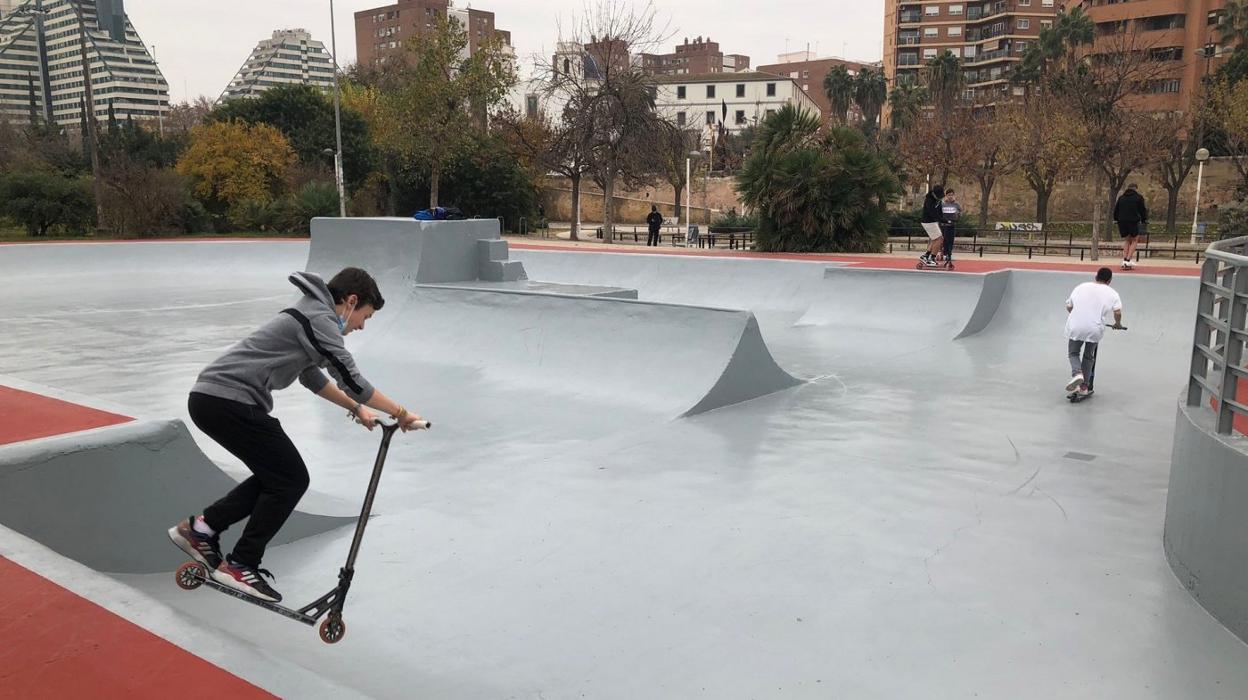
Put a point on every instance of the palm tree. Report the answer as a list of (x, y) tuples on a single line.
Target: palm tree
[(838, 84), (906, 102), (944, 80), (870, 93), (1233, 24)]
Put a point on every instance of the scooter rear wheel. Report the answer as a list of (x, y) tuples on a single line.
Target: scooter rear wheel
[(190, 575), (333, 628)]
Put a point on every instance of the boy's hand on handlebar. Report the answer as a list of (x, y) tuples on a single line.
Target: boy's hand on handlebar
[(412, 421), (365, 417)]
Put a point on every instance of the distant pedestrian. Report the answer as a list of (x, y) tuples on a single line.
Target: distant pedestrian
[(931, 224), (1131, 214), (950, 212), (655, 221)]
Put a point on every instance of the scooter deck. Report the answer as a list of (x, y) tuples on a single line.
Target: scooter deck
[(267, 605), (1076, 398)]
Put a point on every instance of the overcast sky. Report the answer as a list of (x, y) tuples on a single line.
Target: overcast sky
[(200, 45)]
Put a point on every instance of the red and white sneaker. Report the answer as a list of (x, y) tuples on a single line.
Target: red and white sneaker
[(205, 549), (246, 579)]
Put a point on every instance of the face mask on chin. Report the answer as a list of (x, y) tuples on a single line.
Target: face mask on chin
[(342, 320)]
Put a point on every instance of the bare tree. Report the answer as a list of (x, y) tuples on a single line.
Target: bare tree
[(1104, 86), (1179, 135), (610, 103), (677, 144)]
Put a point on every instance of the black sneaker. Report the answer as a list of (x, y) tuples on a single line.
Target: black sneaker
[(247, 579), (202, 548)]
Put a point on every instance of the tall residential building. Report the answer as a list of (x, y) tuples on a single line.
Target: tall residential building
[(988, 37), (380, 33), (41, 64), (808, 71), (697, 57), (1181, 33), (290, 57)]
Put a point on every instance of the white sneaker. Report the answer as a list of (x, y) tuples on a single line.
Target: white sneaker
[(1074, 383)]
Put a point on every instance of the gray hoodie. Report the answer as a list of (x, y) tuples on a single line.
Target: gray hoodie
[(295, 344)]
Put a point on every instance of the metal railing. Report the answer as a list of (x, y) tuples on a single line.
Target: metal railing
[(1218, 347), (1056, 240)]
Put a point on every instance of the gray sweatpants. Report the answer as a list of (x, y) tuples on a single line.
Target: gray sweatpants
[(1085, 365)]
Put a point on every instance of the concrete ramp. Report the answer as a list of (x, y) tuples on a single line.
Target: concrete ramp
[(105, 497), (398, 252), (664, 358), (937, 305)]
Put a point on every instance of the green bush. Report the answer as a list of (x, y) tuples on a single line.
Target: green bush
[(731, 219), (312, 200), (901, 220), (1233, 220), (816, 192), (43, 202)]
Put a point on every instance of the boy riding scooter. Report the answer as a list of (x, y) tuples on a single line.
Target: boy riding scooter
[(231, 401)]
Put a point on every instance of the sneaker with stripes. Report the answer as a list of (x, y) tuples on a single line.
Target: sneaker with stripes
[(205, 549), (247, 579)]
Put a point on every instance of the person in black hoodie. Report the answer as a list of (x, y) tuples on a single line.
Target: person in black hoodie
[(654, 220), (1132, 217), (931, 215)]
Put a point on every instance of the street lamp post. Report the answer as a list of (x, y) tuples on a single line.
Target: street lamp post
[(1202, 155), (693, 155), (160, 109), (342, 192)]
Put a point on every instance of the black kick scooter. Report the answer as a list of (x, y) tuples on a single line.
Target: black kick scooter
[(192, 574)]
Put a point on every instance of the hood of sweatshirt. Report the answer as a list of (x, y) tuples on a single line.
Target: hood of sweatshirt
[(313, 286)]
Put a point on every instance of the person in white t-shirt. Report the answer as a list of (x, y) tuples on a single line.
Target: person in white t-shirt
[(1087, 307)]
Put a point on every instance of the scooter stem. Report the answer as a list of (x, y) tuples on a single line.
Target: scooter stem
[(387, 432)]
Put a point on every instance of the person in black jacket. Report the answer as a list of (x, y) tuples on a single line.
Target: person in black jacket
[(931, 215), (654, 220), (1132, 217)]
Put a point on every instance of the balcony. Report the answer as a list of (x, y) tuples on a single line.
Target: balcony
[(908, 40), (911, 17)]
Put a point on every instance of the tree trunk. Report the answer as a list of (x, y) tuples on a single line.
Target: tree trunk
[(392, 188), (608, 206), (435, 174), (985, 191), (1172, 210), (679, 191), (1042, 204), (1097, 203), (1114, 187), (576, 209)]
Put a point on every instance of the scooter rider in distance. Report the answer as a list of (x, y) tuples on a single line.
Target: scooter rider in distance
[(231, 401), (1086, 308)]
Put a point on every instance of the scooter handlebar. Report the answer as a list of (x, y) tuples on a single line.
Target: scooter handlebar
[(390, 423)]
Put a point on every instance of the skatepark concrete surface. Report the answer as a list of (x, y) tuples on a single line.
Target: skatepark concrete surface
[(759, 478)]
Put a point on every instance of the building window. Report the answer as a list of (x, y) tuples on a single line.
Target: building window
[(955, 10), (931, 10), (740, 91), (1024, 23), (710, 117), (680, 119), (930, 32), (771, 112), (739, 117), (929, 53), (1024, 3), (710, 90), (530, 106), (680, 92), (771, 89), (955, 31)]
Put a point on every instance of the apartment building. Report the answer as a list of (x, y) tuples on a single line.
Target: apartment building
[(289, 57), (808, 71), (41, 73), (989, 38), (697, 57), (700, 101), (380, 32), (1181, 34)]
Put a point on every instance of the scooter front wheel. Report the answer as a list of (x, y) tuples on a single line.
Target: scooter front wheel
[(190, 575), (333, 628)]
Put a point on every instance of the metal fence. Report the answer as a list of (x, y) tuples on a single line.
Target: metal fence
[(1066, 241), (1218, 349)]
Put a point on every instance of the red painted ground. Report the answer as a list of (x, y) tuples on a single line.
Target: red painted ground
[(59, 645), (26, 416), (874, 261)]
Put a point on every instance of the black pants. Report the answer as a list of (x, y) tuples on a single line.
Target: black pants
[(279, 476), (653, 238), (947, 231)]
